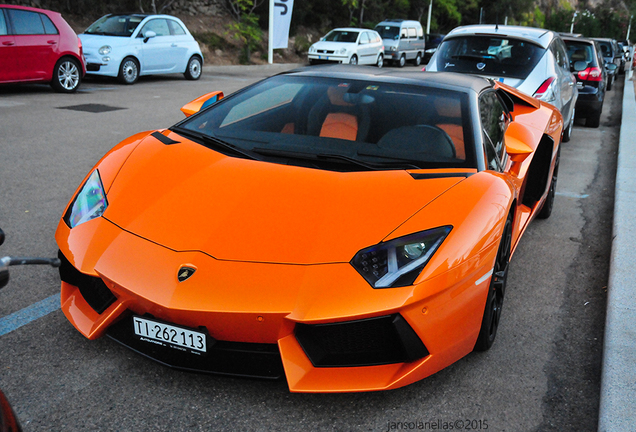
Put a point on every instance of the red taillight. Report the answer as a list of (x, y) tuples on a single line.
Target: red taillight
[(544, 87), (591, 74)]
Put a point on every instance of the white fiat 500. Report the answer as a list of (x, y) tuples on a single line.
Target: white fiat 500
[(127, 46), (348, 45)]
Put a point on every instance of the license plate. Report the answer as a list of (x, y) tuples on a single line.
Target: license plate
[(169, 335)]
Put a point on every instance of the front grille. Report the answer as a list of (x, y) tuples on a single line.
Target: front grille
[(325, 51), (225, 358), (373, 341), (93, 289)]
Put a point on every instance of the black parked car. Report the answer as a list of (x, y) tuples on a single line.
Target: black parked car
[(609, 49), (587, 65)]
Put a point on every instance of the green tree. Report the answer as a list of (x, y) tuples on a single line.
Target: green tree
[(245, 27)]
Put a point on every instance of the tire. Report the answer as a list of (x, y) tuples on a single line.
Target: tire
[(353, 60), (128, 71), (193, 70), (546, 208), (496, 291), (418, 60), (67, 75), (402, 61), (594, 120), (567, 134), (380, 61)]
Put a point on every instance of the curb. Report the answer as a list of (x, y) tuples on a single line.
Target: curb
[(270, 68), (617, 411)]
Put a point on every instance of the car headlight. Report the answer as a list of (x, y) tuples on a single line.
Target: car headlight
[(106, 49), (393, 48), (342, 51), (90, 202), (399, 262), (312, 49)]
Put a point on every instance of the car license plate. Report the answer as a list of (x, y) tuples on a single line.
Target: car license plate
[(169, 335)]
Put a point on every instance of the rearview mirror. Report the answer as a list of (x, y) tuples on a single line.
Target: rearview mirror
[(201, 102), (149, 34), (516, 137)]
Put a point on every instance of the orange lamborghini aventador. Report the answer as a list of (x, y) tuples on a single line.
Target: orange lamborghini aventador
[(347, 229)]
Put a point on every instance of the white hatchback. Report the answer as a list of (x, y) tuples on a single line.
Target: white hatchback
[(127, 46), (348, 45)]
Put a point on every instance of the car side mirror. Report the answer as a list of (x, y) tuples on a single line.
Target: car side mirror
[(149, 34), (516, 137), (580, 65), (611, 66), (201, 102)]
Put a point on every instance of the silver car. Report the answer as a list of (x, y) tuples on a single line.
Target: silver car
[(533, 60)]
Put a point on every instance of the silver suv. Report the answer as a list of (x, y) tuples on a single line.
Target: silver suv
[(533, 60)]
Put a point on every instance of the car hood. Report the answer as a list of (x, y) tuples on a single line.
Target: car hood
[(96, 41), (187, 197)]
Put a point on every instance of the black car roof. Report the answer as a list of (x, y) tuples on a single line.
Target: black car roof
[(445, 80)]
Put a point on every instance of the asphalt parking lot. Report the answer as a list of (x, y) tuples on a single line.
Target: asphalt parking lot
[(542, 374)]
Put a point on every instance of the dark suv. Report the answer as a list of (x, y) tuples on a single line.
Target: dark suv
[(588, 66), (609, 50)]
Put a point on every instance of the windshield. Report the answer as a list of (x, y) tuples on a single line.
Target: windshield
[(321, 122), (115, 25), (341, 36), (388, 32), (489, 55), (580, 51)]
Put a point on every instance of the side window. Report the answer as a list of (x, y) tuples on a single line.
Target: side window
[(403, 34), (420, 33), (3, 24), (412, 33), (176, 28), (564, 55), (159, 26), (26, 22), (49, 27), (364, 38), (493, 124)]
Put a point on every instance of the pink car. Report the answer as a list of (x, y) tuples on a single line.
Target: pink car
[(38, 45)]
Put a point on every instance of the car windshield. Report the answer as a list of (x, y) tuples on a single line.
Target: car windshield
[(489, 55), (339, 124), (115, 25), (388, 32), (580, 51), (341, 36)]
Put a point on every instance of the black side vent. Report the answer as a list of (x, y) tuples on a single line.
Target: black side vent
[(373, 341), (93, 289)]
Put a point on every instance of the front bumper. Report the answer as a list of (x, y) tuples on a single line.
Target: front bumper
[(321, 326), (328, 58), (106, 65)]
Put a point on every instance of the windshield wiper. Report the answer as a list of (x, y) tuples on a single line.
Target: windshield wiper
[(213, 142), (371, 166)]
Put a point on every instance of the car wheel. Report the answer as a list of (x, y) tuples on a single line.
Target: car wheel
[(594, 120), (567, 134), (380, 61), (353, 60), (546, 208), (193, 70), (402, 61), (418, 60), (66, 76), (496, 291), (128, 71)]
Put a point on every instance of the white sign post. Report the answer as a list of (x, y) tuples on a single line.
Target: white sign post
[(280, 12)]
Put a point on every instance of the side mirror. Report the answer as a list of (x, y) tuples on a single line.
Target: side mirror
[(516, 137), (580, 65), (149, 34), (201, 102), (611, 66)]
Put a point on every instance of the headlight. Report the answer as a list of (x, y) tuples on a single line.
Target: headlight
[(400, 261), (89, 203), (393, 48), (343, 51), (106, 49), (312, 49)]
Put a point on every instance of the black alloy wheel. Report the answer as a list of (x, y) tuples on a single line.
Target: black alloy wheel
[(496, 291)]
